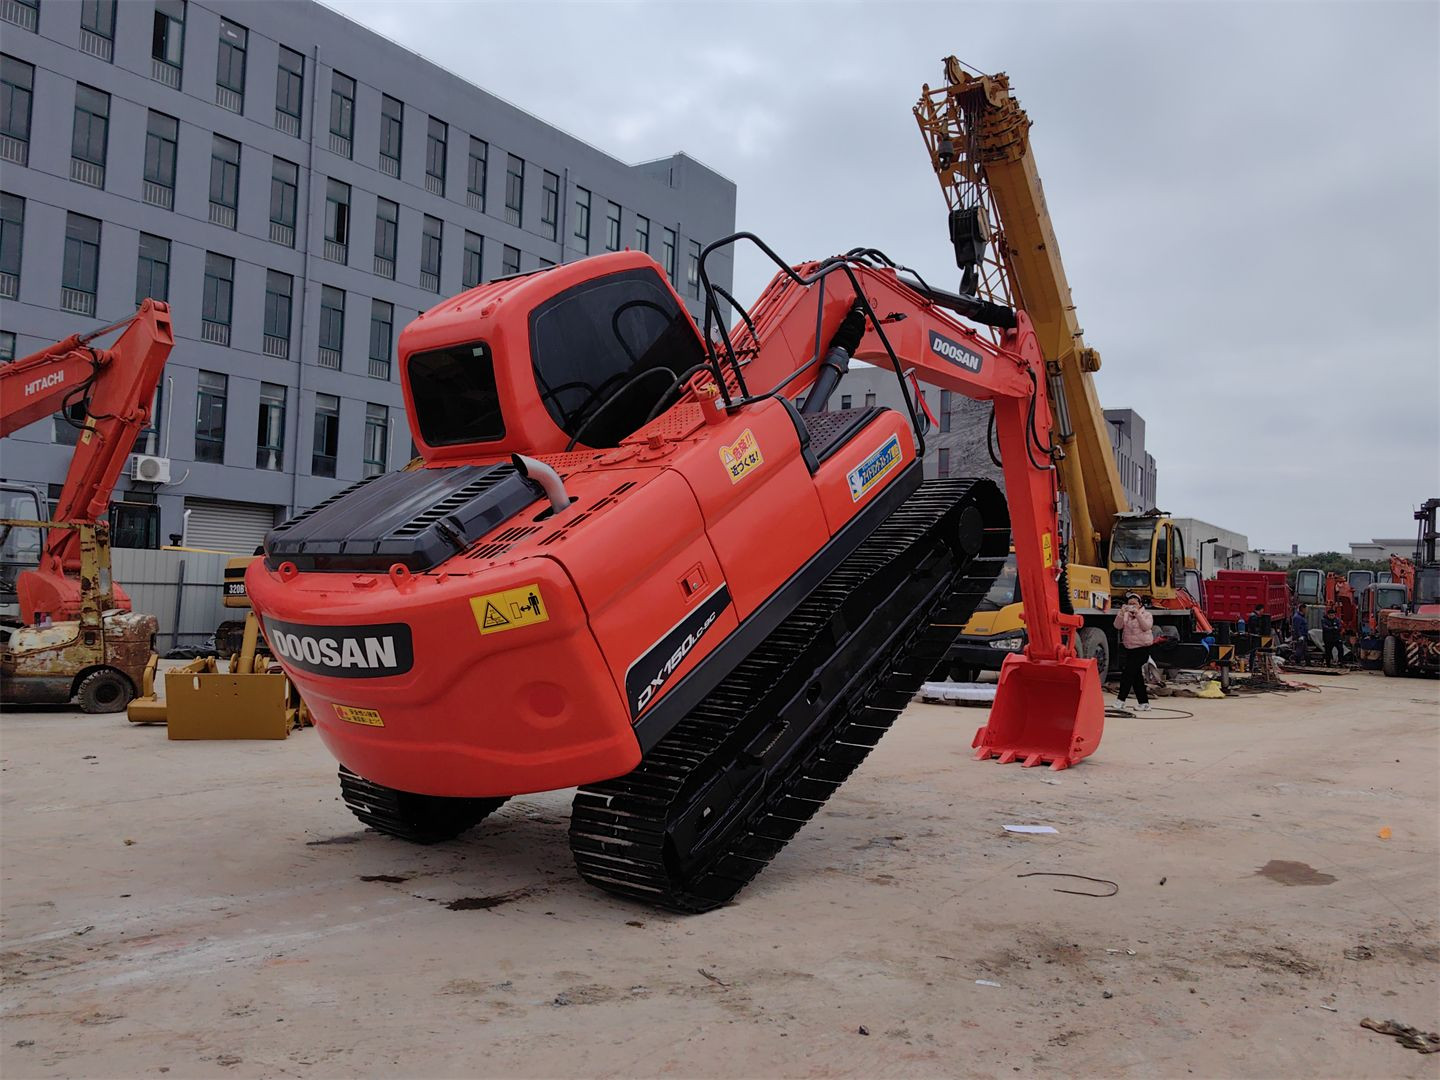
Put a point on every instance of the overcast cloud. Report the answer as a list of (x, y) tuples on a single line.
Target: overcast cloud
[(1248, 197)]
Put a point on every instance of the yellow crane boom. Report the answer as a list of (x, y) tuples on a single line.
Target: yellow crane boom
[(979, 142)]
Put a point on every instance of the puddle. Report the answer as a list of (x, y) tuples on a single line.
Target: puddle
[(1294, 873)]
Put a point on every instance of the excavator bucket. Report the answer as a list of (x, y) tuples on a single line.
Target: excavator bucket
[(1045, 711)]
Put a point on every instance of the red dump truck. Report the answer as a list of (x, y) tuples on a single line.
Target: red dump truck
[(1233, 594)]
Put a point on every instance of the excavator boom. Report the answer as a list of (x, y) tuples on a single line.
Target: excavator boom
[(116, 386)]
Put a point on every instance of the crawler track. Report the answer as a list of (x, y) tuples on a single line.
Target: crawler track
[(420, 819), (718, 797)]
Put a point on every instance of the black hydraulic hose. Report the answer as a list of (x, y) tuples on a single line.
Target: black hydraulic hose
[(615, 396), (680, 380), (990, 446)]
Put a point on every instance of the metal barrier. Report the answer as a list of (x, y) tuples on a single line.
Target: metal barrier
[(183, 589)]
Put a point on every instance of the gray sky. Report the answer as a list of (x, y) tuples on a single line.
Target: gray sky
[(1247, 196)]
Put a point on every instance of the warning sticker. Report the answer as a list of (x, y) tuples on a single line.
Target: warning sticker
[(352, 715), (1047, 549), (509, 610), (741, 456)]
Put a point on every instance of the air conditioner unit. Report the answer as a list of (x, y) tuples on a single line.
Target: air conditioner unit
[(151, 469)]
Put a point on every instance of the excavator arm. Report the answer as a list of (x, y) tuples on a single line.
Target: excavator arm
[(915, 329), (1048, 706), (116, 385)]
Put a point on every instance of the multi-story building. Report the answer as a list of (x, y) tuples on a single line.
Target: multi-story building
[(297, 188), (1216, 548), (1137, 468)]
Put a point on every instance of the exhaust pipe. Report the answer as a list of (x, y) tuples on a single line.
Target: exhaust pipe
[(548, 479)]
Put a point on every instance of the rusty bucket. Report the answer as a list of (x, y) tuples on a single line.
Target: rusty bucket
[(1045, 711)]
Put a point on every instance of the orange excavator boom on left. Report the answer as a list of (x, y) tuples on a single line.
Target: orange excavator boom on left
[(116, 385)]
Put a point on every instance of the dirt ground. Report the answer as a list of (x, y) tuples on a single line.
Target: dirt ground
[(211, 909)]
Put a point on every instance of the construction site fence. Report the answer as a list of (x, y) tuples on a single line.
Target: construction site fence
[(183, 589)]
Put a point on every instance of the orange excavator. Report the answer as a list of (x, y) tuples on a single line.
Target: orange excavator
[(633, 563), (79, 638)]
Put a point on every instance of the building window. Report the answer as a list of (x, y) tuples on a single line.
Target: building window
[(470, 270), (430, 241), (161, 136), (692, 270), (342, 113), (97, 28), (12, 236), (642, 233), (870, 399), (582, 220), (382, 333), (612, 226), (218, 300), (167, 42), (944, 461), (224, 181), (337, 220), (23, 13), (17, 93), (289, 91), (152, 275), (270, 434), (210, 417), (667, 253), (230, 67), (844, 401), (284, 179), (510, 260), (475, 174), (514, 191), (279, 300), (436, 142), (327, 436), (392, 128), (549, 203), (332, 326), (7, 346), (89, 135), (945, 410), (377, 439), (81, 271), (387, 221)]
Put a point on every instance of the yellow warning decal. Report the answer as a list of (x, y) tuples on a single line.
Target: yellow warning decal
[(352, 715), (741, 456), (509, 610), (1047, 549)]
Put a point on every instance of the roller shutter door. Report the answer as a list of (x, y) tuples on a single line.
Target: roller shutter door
[(238, 528)]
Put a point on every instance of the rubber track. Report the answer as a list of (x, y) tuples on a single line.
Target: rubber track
[(618, 827), (420, 819)]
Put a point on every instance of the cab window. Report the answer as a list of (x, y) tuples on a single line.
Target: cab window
[(607, 351)]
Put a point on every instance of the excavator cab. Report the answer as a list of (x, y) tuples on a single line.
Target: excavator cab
[(570, 359)]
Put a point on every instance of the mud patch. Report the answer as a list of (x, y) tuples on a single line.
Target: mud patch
[(389, 879), (482, 903), (348, 838), (593, 994), (1294, 873), (1282, 959)]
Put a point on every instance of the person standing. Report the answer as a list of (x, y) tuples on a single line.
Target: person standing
[(1330, 630), (1253, 622), (1137, 634), (1300, 636)]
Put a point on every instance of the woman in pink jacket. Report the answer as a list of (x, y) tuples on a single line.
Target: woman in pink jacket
[(1137, 634)]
